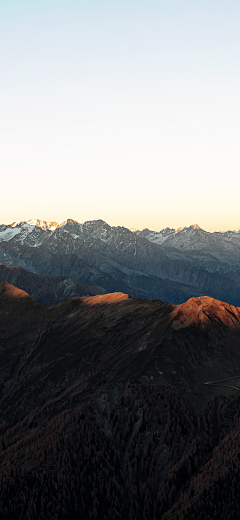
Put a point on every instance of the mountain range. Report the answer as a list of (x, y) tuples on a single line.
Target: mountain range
[(172, 265), (113, 407)]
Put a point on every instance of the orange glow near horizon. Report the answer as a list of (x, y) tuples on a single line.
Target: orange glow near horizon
[(122, 111), (54, 224)]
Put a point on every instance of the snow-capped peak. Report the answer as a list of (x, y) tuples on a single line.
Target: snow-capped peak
[(38, 223), (14, 224), (180, 229), (43, 224), (194, 226), (69, 221)]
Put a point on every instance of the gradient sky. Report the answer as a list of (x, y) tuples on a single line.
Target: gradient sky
[(122, 110)]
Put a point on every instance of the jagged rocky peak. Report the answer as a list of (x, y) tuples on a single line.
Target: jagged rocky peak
[(70, 225), (180, 229), (90, 228), (20, 229), (100, 230), (145, 232), (160, 236), (94, 228), (157, 237), (195, 226), (189, 228), (43, 224), (19, 223), (95, 224), (167, 231), (69, 221)]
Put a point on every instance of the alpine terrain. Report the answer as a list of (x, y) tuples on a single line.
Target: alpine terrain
[(172, 265)]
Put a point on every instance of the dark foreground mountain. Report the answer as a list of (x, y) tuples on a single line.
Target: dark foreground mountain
[(119, 408), (46, 289), (170, 265)]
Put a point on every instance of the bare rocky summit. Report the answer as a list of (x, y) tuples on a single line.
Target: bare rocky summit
[(172, 265)]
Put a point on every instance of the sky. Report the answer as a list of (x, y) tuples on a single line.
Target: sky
[(127, 111)]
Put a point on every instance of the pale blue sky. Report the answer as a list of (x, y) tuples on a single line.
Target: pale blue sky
[(122, 110)]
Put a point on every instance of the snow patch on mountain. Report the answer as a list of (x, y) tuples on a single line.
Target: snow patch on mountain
[(22, 230), (8, 234), (43, 224), (188, 243)]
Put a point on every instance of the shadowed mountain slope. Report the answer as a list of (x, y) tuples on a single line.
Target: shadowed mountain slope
[(46, 289), (108, 338), (118, 408)]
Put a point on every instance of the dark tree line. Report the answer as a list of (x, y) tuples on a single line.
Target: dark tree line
[(146, 456)]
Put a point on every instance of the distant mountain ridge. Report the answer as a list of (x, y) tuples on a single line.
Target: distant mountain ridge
[(172, 265), (46, 289), (54, 225), (43, 224)]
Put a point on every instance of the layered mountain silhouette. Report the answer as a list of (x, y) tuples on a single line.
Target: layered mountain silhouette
[(110, 334), (116, 407), (46, 289), (170, 265)]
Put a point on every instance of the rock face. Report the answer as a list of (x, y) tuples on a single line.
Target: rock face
[(216, 252), (101, 395), (170, 265)]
